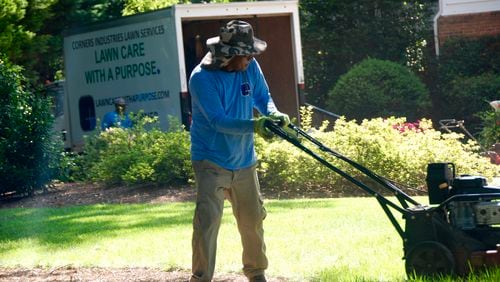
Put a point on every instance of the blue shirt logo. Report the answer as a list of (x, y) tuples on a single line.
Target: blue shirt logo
[(245, 89)]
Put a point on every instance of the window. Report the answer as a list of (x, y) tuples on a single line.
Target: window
[(87, 113)]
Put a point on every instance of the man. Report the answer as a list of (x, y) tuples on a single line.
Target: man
[(225, 87), (117, 118)]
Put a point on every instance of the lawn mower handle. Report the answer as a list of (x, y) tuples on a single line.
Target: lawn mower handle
[(402, 197)]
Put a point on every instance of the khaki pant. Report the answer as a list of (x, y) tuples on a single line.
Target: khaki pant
[(241, 188)]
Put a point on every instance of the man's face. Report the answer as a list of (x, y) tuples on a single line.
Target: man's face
[(120, 108), (238, 63)]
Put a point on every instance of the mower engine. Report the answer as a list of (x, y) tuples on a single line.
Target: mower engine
[(468, 215), (471, 210), (462, 197)]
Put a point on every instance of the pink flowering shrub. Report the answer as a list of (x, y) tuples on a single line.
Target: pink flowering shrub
[(408, 126)]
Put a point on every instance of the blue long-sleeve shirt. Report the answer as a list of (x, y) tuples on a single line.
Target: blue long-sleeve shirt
[(114, 119), (222, 112)]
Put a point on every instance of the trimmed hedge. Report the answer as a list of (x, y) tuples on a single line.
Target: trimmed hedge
[(378, 88)]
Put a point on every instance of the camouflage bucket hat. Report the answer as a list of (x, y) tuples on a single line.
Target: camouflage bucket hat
[(236, 38)]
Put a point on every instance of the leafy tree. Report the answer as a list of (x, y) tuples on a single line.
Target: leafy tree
[(337, 34), (138, 6), (467, 57), (20, 21), (31, 30)]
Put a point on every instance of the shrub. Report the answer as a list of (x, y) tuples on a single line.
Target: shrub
[(490, 133), (468, 77), (466, 57), (466, 97), (390, 147), (377, 88), (142, 154), (28, 152)]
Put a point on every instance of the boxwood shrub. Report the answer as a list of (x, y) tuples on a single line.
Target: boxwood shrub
[(378, 88)]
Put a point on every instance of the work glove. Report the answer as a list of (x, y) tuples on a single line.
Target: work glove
[(260, 128), (284, 119), (292, 134)]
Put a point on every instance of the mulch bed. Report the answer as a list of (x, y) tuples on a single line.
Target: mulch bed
[(70, 194), (70, 273)]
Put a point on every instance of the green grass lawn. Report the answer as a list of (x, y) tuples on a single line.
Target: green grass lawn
[(350, 239)]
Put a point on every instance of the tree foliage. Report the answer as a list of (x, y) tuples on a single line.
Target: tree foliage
[(20, 23), (31, 31), (337, 34), (138, 6)]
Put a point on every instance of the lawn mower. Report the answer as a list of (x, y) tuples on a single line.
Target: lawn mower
[(459, 231)]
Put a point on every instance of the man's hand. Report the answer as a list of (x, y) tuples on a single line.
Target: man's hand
[(260, 128), (284, 119)]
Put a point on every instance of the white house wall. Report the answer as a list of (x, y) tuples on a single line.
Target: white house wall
[(458, 7)]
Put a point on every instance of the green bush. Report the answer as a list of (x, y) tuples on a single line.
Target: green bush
[(390, 147), (490, 133), (377, 88), (466, 97), (466, 57), (28, 151), (468, 77), (143, 154)]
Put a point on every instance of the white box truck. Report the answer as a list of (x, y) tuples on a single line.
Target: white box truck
[(147, 59)]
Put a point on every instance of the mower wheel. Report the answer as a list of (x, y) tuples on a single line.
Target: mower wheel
[(429, 258)]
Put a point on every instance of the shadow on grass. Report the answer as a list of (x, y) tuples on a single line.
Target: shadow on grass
[(64, 227)]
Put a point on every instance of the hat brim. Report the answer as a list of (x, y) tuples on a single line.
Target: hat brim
[(219, 52)]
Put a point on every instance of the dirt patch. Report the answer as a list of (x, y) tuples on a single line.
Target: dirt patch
[(70, 273), (90, 274)]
